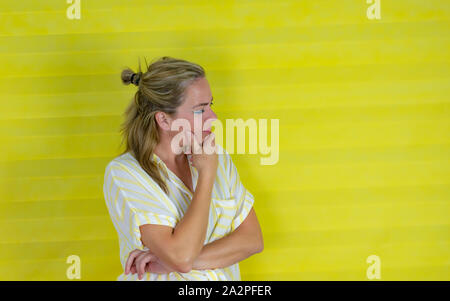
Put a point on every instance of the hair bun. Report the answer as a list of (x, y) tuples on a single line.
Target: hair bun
[(130, 77), (135, 78)]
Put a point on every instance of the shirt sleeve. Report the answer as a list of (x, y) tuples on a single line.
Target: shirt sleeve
[(244, 198), (134, 200)]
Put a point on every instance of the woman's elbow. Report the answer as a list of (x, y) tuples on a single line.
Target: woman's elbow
[(259, 245), (184, 266)]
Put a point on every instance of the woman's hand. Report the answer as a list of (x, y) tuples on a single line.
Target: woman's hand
[(202, 155), (145, 261)]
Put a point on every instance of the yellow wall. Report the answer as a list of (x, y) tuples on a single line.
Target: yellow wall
[(364, 128)]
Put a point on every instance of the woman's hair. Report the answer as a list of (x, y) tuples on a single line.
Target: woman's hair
[(160, 88)]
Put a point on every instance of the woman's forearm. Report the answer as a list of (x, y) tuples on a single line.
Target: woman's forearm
[(225, 251), (190, 232)]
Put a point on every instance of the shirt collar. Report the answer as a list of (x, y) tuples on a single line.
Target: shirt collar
[(161, 163), (157, 159)]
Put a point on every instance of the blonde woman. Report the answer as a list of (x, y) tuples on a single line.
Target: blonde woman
[(180, 214)]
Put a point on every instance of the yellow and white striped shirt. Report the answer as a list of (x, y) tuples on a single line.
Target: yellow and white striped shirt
[(133, 198)]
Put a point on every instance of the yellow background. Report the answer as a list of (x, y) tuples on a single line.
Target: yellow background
[(364, 128)]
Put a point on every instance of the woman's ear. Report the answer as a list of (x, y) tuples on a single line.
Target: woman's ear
[(163, 121)]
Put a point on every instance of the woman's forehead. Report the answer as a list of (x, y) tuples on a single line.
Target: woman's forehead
[(198, 93)]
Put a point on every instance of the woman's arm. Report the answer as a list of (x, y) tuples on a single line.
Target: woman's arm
[(240, 244), (245, 241)]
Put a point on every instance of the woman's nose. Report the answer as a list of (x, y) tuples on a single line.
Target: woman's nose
[(211, 115), (209, 118)]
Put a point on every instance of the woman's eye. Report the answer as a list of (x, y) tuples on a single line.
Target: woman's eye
[(203, 110)]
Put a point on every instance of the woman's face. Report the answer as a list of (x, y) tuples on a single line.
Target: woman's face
[(196, 108)]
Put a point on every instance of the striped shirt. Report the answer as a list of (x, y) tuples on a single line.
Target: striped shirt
[(133, 198)]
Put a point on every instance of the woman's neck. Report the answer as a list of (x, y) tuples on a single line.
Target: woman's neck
[(164, 151)]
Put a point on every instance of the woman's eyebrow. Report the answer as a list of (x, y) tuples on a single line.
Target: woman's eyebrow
[(203, 104)]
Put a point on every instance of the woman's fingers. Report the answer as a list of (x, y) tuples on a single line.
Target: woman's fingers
[(137, 263), (141, 262), (157, 268), (209, 145), (146, 261), (147, 266), (196, 145), (211, 138), (130, 260)]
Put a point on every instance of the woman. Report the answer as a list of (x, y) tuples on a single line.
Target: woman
[(179, 215)]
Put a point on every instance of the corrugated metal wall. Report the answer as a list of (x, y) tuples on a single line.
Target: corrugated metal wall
[(363, 107)]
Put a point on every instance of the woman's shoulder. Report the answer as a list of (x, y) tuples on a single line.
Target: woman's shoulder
[(129, 171), (127, 166), (123, 160)]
